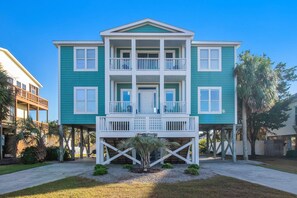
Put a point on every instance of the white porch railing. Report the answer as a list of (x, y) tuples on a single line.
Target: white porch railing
[(120, 64), (147, 64), (175, 64), (147, 124), (120, 107), (175, 107)]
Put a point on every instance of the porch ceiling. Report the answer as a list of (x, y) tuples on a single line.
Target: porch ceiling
[(147, 43)]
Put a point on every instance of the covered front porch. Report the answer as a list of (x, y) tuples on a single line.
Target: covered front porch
[(149, 98)]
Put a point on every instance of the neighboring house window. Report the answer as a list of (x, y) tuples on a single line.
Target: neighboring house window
[(209, 59), (10, 80), (33, 89), (24, 86), (19, 84), (85, 59), (209, 100), (85, 100)]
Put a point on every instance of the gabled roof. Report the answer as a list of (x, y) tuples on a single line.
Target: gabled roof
[(20, 66), (147, 27)]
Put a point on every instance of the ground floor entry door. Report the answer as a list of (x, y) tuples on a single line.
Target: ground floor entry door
[(147, 100)]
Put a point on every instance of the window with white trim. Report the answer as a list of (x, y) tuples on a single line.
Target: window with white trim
[(85, 100), (209, 59), (85, 59), (209, 100)]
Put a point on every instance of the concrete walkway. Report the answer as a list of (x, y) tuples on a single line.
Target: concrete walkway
[(255, 174), (41, 175)]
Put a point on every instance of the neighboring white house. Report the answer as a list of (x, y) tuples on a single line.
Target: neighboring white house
[(27, 101), (288, 133)]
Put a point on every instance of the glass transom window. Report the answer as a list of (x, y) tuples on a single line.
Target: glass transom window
[(209, 100), (85, 59), (209, 59), (85, 100)]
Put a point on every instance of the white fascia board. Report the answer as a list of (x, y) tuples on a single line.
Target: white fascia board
[(146, 34), (59, 43), (131, 25), (220, 43)]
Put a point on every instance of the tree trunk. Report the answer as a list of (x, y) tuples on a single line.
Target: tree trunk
[(244, 132), (253, 148)]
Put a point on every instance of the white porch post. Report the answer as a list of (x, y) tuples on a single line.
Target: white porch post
[(107, 77), (134, 87), (112, 90), (97, 142), (162, 66), (188, 76), (183, 91), (234, 142), (196, 141)]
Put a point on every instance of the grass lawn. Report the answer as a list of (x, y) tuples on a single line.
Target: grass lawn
[(5, 169), (218, 186), (279, 163)]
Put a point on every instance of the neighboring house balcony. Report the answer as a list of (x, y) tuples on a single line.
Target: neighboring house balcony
[(31, 98)]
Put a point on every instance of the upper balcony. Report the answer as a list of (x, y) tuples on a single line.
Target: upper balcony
[(31, 98), (149, 56)]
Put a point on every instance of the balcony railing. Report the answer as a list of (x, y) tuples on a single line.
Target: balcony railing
[(175, 107), (120, 64), (148, 64), (147, 124), (125, 64), (120, 107), (31, 97), (175, 64)]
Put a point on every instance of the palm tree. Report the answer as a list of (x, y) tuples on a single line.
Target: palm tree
[(256, 88), (144, 146), (7, 99)]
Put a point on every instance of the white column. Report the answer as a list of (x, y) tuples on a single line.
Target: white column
[(112, 90), (183, 91), (196, 141), (188, 76), (183, 51), (111, 51), (107, 77), (97, 142), (162, 66), (133, 64)]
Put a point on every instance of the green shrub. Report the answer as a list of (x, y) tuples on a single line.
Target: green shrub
[(100, 169), (196, 166), (192, 171), (202, 145), (98, 166), (52, 153), (29, 155), (128, 166), (291, 154), (167, 166)]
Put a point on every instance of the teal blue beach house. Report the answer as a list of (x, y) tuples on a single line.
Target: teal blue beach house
[(148, 77)]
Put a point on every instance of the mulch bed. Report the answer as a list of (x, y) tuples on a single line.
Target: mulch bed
[(150, 170)]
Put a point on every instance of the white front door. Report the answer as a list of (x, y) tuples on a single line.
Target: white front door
[(147, 101)]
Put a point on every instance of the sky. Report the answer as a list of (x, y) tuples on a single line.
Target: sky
[(28, 28)]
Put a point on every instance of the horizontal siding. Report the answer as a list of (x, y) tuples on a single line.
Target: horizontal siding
[(224, 79), (71, 79)]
